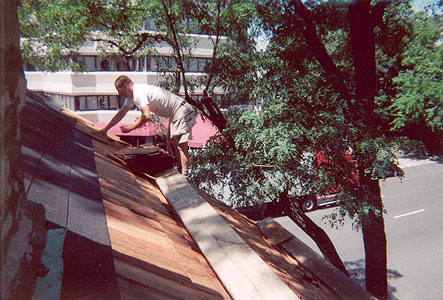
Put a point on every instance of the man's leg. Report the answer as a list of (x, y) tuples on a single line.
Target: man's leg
[(172, 144), (184, 157)]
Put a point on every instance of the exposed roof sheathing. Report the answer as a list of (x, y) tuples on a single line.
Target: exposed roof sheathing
[(59, 173)]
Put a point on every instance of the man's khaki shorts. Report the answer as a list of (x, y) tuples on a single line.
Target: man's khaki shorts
[(180, 125)]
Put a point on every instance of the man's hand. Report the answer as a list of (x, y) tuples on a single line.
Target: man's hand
[(126, 128)]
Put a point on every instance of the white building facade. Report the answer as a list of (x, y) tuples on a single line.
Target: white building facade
[(92, 94)]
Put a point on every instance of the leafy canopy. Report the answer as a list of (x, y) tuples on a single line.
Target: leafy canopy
[(420, 82), (55, 30), (304, 137)]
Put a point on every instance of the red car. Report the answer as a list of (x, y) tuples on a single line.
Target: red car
[(311, 202)]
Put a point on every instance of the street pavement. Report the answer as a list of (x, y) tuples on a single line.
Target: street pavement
[(414, 228)]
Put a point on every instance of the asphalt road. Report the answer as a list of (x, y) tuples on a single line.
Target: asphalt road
[(414, 228)]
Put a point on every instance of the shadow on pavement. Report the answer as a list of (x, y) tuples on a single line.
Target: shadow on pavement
[(357, 271)]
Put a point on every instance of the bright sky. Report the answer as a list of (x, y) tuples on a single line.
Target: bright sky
[(419, 4)]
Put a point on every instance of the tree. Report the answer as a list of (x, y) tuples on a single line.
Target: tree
[(22, 222), (418, 105), (325, 84)]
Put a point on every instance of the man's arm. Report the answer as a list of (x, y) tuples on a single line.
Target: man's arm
[(117, 118), (146, 115)]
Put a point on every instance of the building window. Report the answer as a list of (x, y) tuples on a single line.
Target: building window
[(104, 65), (139, 64), (92, 102), (161, 64), (149, 24), (82, 103), (105, 102), (122, 65), (197, 64), (113, 102), (88, 61), (136, 64), (68, 102), (193, 65), (191, 26), (167, 63)]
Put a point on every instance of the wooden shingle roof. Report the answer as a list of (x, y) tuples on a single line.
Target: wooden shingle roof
[(115, 235), (121, 238), (154, 256)]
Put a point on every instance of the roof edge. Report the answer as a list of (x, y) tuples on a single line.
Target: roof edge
[(330, 275), (242, 272)]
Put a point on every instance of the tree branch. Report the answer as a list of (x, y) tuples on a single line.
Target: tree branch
[(212, 111), (143, 37), (214, 50), (378, 11), (316, 233), (310, 33), (176, 46)]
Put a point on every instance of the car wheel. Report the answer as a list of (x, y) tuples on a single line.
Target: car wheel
[(309, 203)]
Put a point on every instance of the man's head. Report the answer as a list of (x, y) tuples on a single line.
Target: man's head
[(123, 84)]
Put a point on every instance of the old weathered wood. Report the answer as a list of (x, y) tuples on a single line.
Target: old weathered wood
[(62, 176), (145, 150), (47, 132), (150, 159), (50, 187), (31, 158)]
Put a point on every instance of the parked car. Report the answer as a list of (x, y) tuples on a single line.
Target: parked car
[(273, 209), (312, 202), (306, 202)]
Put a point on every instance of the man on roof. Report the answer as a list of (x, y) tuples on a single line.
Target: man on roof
[(150, 98)]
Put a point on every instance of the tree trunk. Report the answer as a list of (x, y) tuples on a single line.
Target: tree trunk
[(22, 222), (315, 232), (361, 24), (374, 238), (363, 51), (216, 116)]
